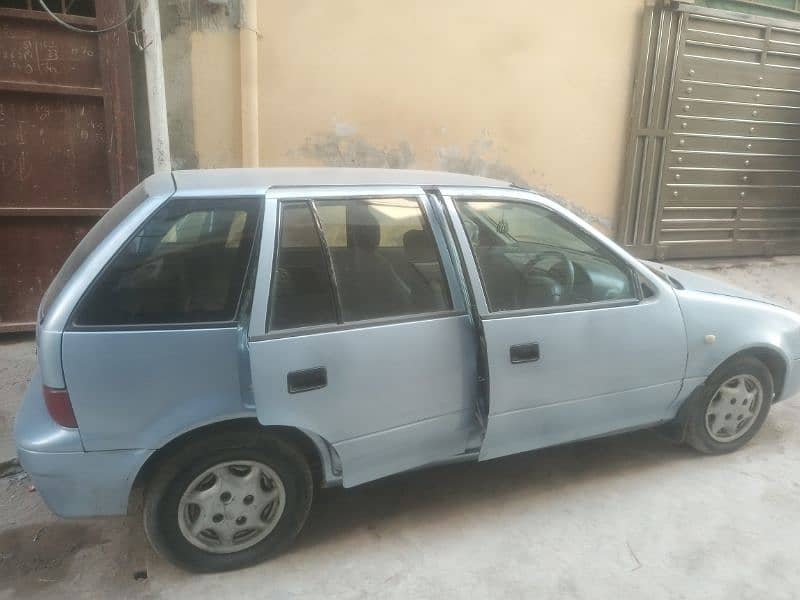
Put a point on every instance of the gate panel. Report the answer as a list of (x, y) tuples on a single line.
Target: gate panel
[(67, 148), (731, 166), (650, 114)]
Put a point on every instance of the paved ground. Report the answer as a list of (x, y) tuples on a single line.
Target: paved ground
[(629, 516)]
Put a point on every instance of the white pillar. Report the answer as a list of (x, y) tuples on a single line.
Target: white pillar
[(156, 94), (248, 55)]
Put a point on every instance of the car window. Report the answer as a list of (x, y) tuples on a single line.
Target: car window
[(185, 265), (116, 214), (384, 257), (396, 218), (380, 252), (302, 294), (531, 257)]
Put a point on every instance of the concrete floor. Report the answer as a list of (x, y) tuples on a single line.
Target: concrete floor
[(628, 516)]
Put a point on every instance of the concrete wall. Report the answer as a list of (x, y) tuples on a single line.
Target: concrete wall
[(535, 92)]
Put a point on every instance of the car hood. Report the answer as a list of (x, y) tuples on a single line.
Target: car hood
[(687, 280)]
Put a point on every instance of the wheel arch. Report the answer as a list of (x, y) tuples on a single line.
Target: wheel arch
[(773, 359), (322, 457)]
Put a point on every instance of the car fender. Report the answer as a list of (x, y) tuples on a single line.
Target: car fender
[(720, 326)]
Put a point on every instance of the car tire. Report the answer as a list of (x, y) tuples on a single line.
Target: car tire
[(727, 398), (231, 467)]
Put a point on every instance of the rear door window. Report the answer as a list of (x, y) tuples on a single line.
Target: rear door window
[(372, 259), (302, 293), (186, 265), (384, 257)]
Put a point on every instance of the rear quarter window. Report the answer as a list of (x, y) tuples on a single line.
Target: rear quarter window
[(186, 265), (91, 240)]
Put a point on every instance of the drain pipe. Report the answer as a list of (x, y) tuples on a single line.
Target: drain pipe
[(156, 93), (248, 65)]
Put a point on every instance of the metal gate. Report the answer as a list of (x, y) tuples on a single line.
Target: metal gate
[(713, 165), (67, 148)]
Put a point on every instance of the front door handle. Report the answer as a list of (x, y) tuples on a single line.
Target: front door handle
[(307, 380), (522, 353)]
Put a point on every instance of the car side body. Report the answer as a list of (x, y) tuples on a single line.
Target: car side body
[(471, 377)]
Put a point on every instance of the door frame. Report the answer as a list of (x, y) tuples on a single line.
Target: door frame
[(259, 319), (501, 439), (439, 438), (449, 195)]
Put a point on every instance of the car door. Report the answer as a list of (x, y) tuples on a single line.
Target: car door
[(575, 346), (359, 333)]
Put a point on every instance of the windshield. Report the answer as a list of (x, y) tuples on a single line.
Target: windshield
[(104, 226)]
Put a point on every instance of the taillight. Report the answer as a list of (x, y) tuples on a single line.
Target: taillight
[(59, 406)]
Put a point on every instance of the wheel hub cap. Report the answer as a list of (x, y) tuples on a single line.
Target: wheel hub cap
[(733, 408), (231, 506)]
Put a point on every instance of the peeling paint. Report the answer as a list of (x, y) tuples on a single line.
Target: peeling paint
[(335, 150), (198, 16)]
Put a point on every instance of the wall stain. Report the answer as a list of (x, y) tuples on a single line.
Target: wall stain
[(475, 162), (344, 148), (335, 150), (198, 16), (179, 18), (602, 223)]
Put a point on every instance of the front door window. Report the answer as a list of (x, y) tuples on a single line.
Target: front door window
[(530, 257)]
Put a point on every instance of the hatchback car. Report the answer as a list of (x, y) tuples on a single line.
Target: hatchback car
[(228, 341)]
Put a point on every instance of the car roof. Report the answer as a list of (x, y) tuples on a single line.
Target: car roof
[(260, 179)]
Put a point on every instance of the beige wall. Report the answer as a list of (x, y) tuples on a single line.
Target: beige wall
[(533, 91)]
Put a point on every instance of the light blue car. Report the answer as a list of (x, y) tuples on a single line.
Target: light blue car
[(228, 341)]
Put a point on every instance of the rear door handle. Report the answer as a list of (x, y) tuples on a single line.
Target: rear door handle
[(307, 380), (522, 353)]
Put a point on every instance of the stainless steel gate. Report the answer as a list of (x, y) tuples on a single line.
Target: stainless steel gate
[(713, 166)]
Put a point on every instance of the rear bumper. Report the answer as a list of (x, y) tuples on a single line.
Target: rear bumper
[(72, 482), (84, 484)]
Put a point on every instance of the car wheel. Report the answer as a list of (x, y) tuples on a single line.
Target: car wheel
[(228, 501), (734, 404)]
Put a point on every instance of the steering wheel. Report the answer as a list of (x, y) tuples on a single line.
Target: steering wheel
[(532, 270)]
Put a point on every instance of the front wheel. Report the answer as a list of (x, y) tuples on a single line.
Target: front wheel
[(227, 502), (732, 408)]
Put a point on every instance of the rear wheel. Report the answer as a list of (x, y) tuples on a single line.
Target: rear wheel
[(732, 408), (228, 501)]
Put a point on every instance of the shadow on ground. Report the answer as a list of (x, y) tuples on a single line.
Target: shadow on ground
[(49, 558), (429, 494)]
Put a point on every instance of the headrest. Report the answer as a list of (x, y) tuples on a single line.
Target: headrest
[(419, 246), (363, 230)]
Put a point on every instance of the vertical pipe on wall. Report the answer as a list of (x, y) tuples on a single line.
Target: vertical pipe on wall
[(156, 93), (248, 55)]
